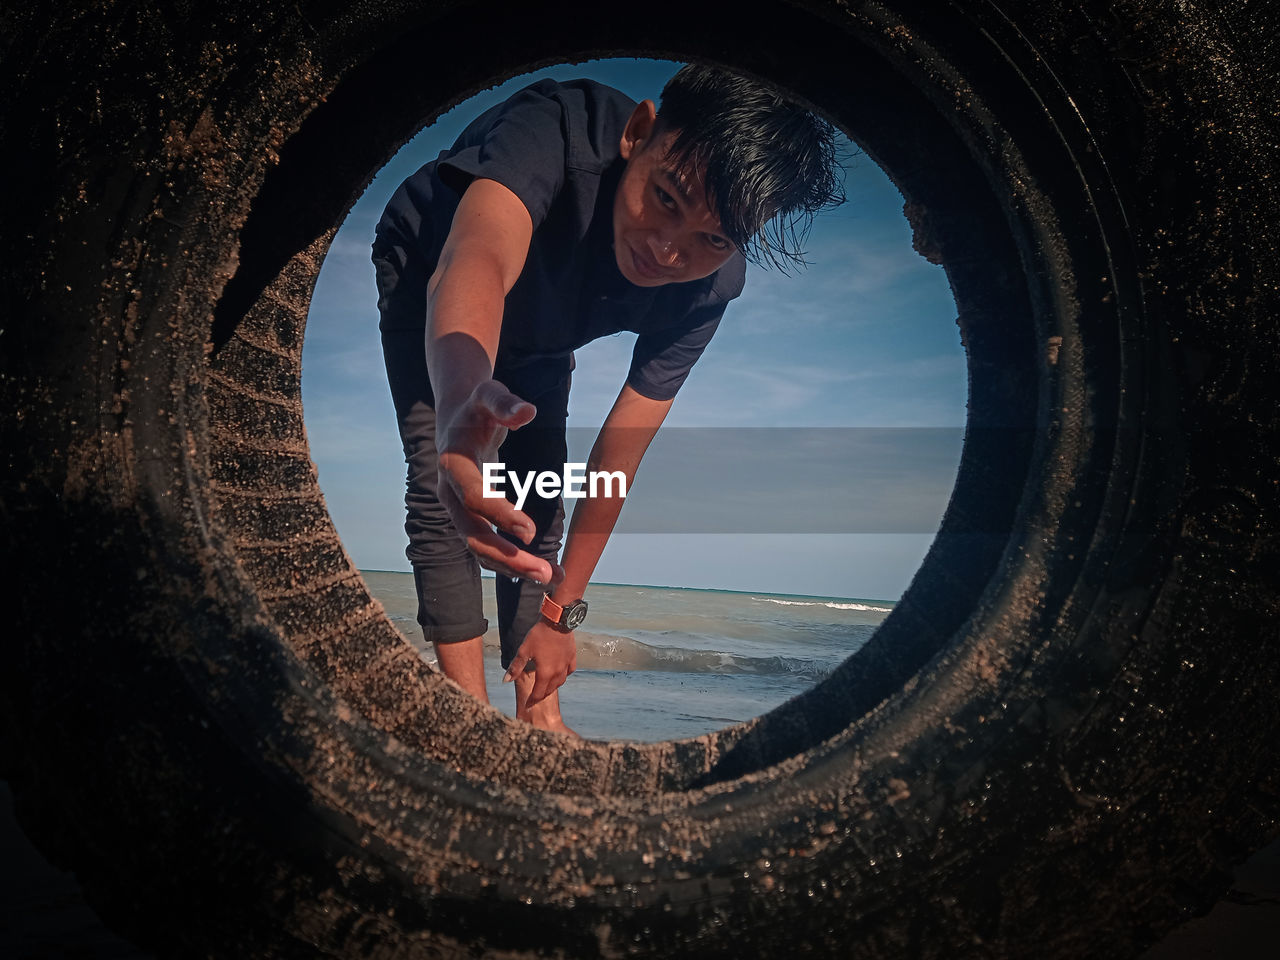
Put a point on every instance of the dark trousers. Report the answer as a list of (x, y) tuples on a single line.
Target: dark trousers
[(445, 572)]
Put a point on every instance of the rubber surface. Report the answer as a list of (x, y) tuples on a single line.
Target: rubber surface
[(1054, 746)]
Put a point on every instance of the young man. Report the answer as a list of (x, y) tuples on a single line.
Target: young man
[(567, 213)]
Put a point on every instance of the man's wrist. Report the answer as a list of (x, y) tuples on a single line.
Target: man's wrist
[(570, 588), (564, 617)]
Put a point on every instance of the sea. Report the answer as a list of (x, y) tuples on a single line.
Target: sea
[(664, 663)]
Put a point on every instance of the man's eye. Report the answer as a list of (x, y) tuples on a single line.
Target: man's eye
[(717, 243), (665, 198)]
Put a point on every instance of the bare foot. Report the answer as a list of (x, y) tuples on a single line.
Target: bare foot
[(544, 715), (558, 726)]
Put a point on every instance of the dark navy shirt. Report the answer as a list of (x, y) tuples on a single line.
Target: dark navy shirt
[(556, 147)]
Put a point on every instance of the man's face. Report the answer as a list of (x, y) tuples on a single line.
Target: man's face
[(663, 230)]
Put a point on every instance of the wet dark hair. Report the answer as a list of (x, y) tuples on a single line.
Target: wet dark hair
[(769, 164)]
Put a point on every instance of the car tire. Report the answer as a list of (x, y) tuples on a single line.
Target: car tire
[(1055, 746)]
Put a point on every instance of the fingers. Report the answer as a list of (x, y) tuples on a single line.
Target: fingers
[(517, 666), (463, 494), (494, 552), (472, 435), (545, 684), (519, 564), (503, 405), (548, 681), (550, 674)]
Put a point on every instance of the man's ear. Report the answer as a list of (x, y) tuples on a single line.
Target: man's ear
[(639, 128)]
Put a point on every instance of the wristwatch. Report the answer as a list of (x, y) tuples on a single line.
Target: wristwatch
[(566, 619)]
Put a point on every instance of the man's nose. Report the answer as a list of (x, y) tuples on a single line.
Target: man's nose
[(665, 250)]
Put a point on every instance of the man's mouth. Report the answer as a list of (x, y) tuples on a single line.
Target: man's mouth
[(646, 267)]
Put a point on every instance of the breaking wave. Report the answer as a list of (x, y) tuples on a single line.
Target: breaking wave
[(597, 652), (829, 604)]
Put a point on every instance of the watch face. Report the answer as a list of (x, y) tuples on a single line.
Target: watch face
[(575, 613)]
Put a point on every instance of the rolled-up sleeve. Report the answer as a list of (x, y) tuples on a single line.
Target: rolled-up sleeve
[(662, 359), (523, 148)]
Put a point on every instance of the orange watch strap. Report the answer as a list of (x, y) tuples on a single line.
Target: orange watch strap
[(550, 609)]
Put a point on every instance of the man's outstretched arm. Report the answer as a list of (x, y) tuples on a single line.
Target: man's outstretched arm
[(620, 446), (480, 262)]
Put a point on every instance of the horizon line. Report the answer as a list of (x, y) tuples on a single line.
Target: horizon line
[(663, 586)]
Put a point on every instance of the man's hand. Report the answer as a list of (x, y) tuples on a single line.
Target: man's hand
[(471, 437), (555, 656)]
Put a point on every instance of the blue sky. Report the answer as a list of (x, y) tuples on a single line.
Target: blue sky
[(865, 337)]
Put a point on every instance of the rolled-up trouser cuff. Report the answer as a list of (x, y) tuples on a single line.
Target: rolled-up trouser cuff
[(447, 597)]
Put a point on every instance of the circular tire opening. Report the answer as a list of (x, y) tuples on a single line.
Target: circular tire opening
[(300, 574), (855, 355)]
